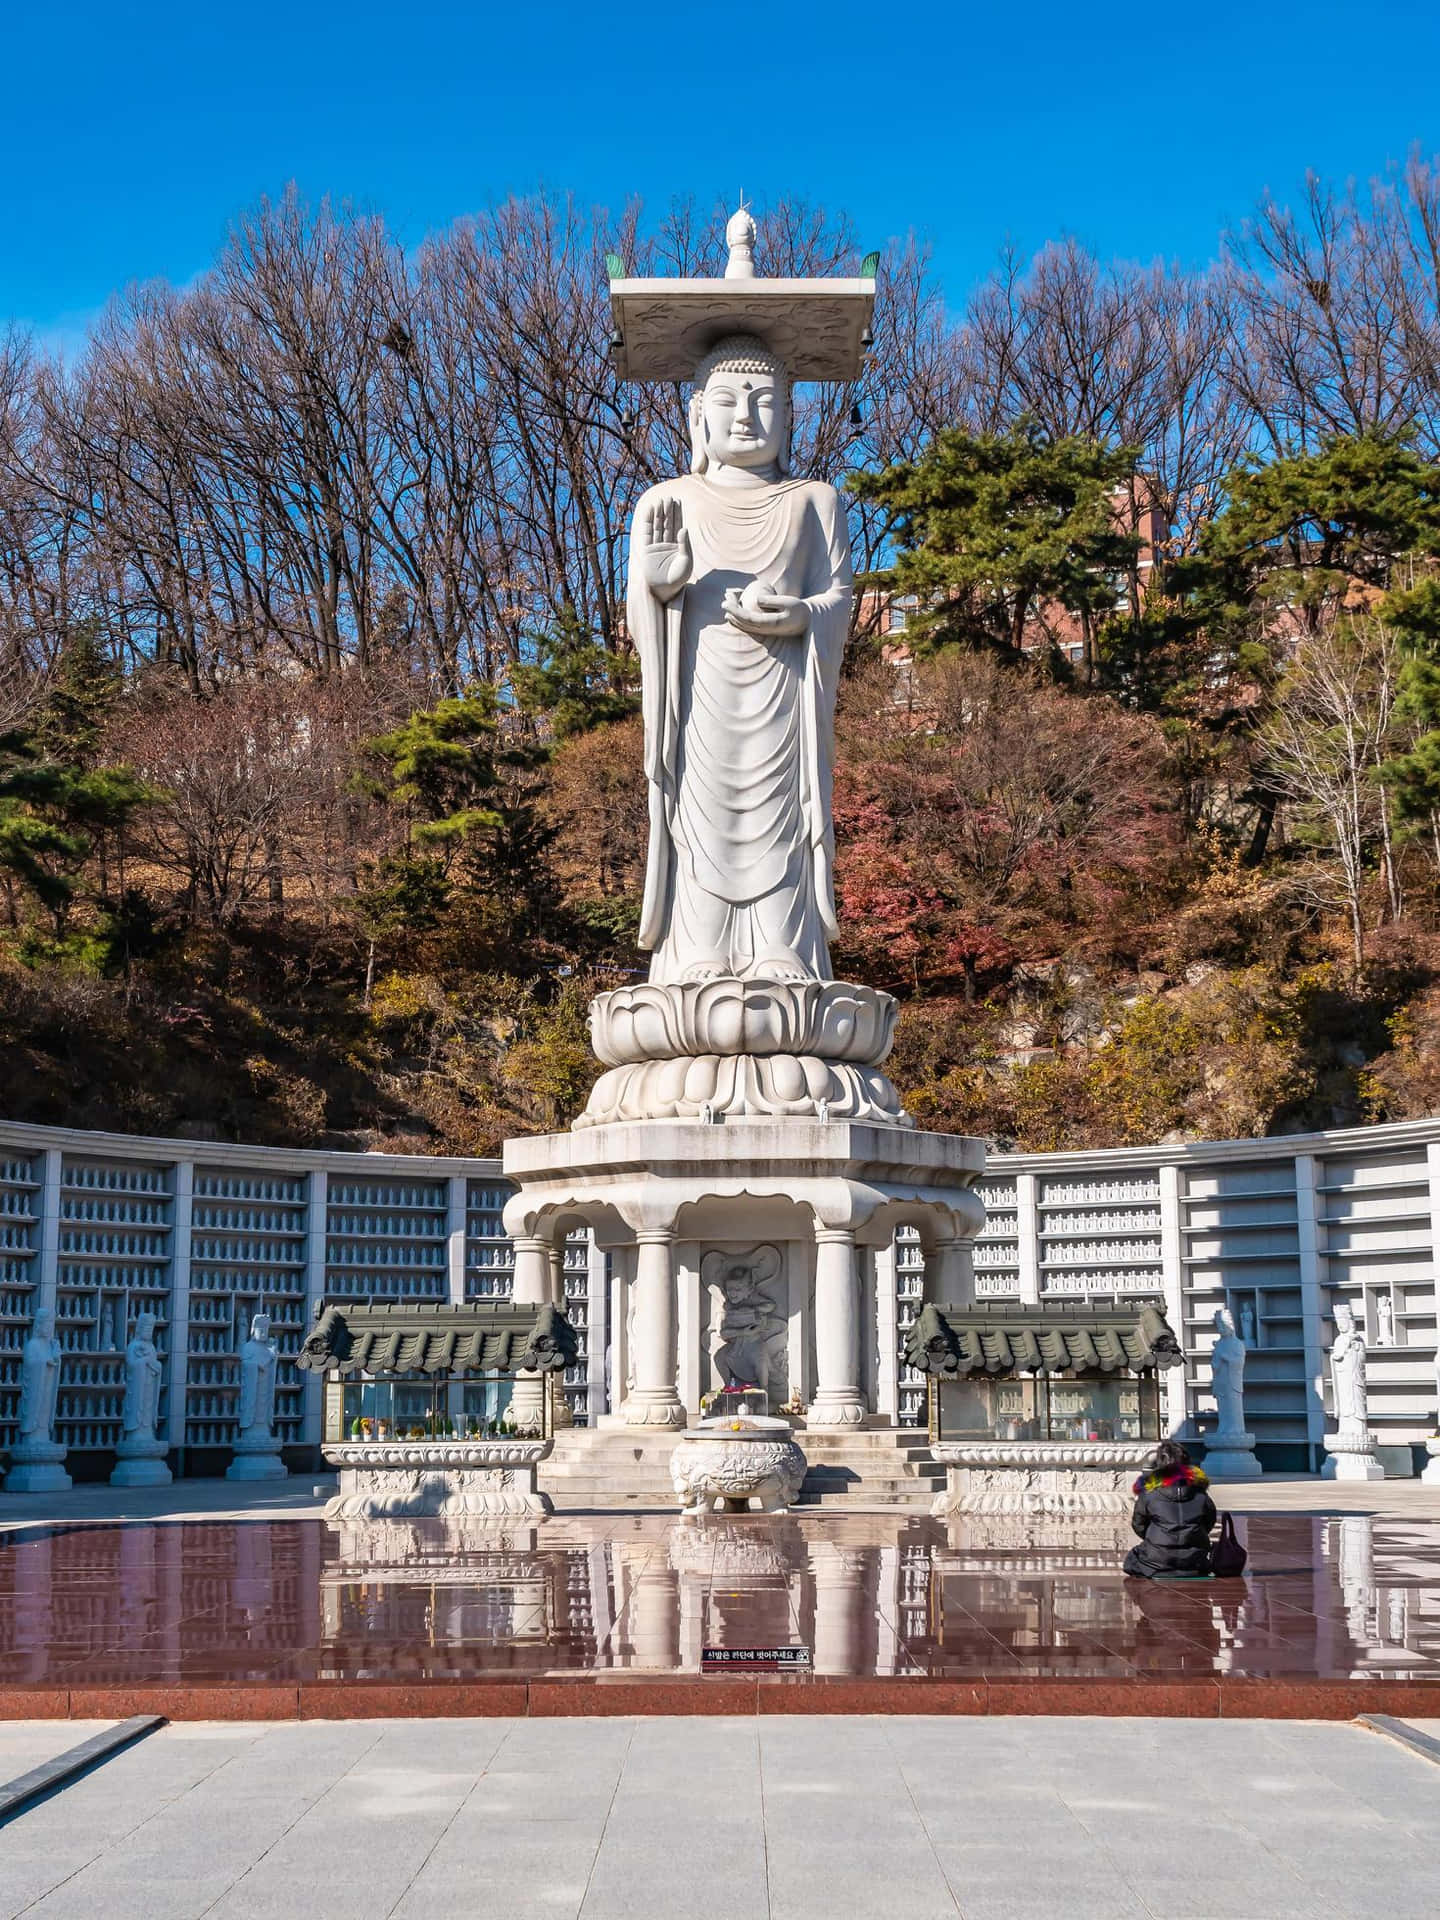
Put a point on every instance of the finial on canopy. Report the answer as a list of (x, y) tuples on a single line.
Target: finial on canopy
[(818, 326), (740, 238)]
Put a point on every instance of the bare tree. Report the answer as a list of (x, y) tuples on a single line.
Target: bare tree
[(1331, 731), (1335, 312)]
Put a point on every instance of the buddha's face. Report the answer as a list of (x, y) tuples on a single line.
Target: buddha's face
[(744, 417)]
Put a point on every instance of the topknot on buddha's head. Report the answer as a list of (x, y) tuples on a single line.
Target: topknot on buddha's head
[(740, 353)]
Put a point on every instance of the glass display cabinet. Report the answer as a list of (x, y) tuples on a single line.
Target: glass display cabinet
[(1065, 1406), (732, 1403), (1041, 1414), (437, 1409)]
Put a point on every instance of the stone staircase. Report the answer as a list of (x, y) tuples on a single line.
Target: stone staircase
[(627, 1468)]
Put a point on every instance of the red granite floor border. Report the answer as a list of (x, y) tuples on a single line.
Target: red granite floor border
[(1215, 1698)]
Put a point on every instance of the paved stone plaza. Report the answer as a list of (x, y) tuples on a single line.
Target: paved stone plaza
[(864, 1817)]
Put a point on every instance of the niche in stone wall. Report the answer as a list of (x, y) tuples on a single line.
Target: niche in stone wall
[(745, 1303)]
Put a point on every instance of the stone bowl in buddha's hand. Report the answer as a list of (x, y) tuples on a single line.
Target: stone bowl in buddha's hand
[(757, 609)]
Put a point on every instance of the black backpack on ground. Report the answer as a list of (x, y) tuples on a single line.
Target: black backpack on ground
[(1227, 1556)]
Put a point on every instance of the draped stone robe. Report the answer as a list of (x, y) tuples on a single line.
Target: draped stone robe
[(739, 732)]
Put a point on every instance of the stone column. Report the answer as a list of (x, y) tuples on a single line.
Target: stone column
[(597, 1281), (1176, 1409), (317, 1218), (531, 1289), (177, 1361), (653, 1400), (841, 1606), (457, 1211), (838, 1400), (887, 1372), (1313, 1306), (950, 1273), (1027, 1225), (692, 1382)]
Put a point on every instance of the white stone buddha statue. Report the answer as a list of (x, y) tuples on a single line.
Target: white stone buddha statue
[(738, 607), (740, 587), (39, 1378), (258, 1359)]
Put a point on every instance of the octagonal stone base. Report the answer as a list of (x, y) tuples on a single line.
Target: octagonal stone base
[(1059, 1479), (726, 1464), (409, 1479)]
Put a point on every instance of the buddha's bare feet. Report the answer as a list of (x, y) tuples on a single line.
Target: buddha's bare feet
[(778, 963), (715, 966)]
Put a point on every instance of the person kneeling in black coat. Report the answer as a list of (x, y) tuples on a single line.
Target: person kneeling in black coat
[(1173, 1517)]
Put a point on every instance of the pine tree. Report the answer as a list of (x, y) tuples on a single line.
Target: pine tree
[(991, 527)]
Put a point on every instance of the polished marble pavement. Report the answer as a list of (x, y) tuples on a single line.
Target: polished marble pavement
[(1337, 1614)]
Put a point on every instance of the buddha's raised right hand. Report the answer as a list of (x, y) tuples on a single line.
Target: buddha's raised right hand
[(665, 557)]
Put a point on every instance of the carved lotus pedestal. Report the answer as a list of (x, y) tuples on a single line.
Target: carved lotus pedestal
[(451, 1479), (725, 1464), (1056, 1480), (1352, 1456), (257, 1457), (1231, 1456), (140, 1462), (37, 1466), (730, 1047)]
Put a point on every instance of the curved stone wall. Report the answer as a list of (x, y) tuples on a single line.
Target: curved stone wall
[(103, 1225)]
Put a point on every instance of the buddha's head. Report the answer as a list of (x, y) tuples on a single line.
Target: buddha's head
[(260, 1327), (740, 408)]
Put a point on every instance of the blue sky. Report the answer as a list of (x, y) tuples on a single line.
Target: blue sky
[(129, 135)]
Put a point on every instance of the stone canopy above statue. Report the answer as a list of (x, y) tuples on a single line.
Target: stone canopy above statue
[(666, 327)]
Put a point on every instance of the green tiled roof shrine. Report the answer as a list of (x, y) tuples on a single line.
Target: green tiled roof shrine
[(1001, 1340), (396, 1337)]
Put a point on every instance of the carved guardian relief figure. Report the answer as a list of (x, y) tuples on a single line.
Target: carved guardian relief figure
[(748, 1317)]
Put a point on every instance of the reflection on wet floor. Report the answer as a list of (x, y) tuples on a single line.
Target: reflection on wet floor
[(206, 1603)]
